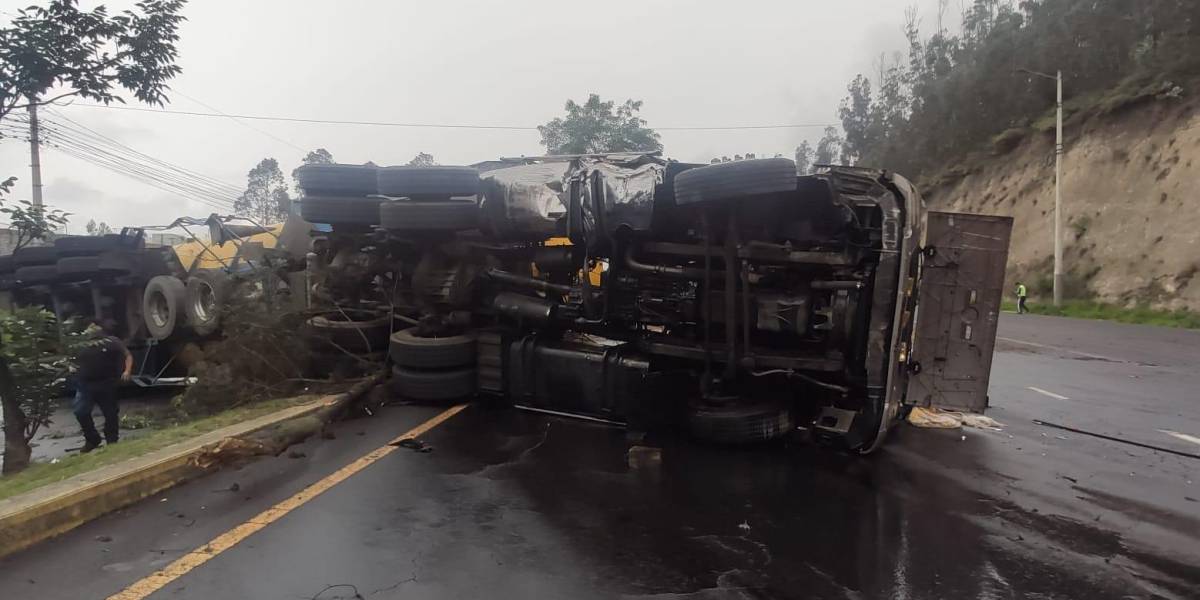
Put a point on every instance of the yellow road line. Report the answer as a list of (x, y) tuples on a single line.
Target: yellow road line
[(156, 581)]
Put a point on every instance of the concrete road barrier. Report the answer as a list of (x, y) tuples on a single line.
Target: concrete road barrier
[(56, 508)]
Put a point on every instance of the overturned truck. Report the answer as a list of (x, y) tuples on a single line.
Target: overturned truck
[(158, 300), (739, 300)]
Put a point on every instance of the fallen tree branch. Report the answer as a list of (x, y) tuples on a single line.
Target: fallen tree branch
[(276, 439)]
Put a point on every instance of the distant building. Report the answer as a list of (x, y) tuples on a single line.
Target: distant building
[(8, 241)]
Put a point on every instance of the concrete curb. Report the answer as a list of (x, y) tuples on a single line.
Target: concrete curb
[(53, 509)]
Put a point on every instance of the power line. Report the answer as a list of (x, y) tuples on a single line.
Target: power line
[(96, 142), (140, 172), (124, 153), (428, 125), (239, 122), (181, 182), (107, 148), (95, 148), (89, 132), (138, 177)]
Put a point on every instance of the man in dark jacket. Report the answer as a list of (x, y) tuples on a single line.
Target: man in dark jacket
[(101, 364)]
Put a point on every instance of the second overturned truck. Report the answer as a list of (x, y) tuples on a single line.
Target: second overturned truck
[(740, 300)]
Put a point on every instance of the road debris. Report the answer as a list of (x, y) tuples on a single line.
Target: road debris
[(336, 586), (640, 457), (933, 418), (413, 444)]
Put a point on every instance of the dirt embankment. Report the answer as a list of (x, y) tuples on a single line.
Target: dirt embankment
[(1131, 202)]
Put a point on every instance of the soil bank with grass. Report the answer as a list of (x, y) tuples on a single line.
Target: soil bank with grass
[(1131, 210)]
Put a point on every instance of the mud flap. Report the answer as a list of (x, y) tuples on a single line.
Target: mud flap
[(959, 290)]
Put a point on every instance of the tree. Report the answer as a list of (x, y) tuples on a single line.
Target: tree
[(422, 160), (956, 94), (594, 127), (828, 147), (320, 156), (94, 228), (37, 357), (266, 198), (855, 113), (804, 158), (88, 53)]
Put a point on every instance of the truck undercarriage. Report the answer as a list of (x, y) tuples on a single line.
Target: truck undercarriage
[(737, 298)]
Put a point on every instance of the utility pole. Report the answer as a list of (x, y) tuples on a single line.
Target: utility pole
[(1058, 152), (35, 159)]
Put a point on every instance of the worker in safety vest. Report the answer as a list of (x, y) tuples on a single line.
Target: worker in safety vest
[(1022, 293)]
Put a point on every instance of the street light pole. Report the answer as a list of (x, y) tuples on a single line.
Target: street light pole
[(1058, 152)]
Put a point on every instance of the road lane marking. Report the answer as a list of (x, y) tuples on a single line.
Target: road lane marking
[(1045, 393), (1182, 436), (1061, 349), (159, 579)]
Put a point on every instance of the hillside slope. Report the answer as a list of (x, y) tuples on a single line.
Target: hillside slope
[(1130, 198)]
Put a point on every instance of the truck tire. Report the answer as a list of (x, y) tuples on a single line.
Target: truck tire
[(337, 180), (441, 385), (207, 293), (331, 330), (428, 182), (36, 275), (725, 181), (340, 210), (162, 306), (87, 245), (740, 423), (410, 350), (415, 215), (31, 256)]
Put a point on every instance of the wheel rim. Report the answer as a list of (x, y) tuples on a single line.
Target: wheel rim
[(205, 304), (160, 311)]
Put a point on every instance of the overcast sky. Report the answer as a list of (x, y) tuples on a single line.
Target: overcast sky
[(472, 63)]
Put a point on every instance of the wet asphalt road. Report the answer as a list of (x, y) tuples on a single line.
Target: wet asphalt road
[(515, 505)]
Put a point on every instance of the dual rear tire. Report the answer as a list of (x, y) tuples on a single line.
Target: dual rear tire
[(170, 306), (418, 199), (433, 369)]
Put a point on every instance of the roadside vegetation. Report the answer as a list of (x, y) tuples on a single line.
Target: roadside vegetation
[(159, 434), (1091, 309), (62, 50)]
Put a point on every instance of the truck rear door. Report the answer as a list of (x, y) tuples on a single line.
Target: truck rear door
[(959, 289)]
